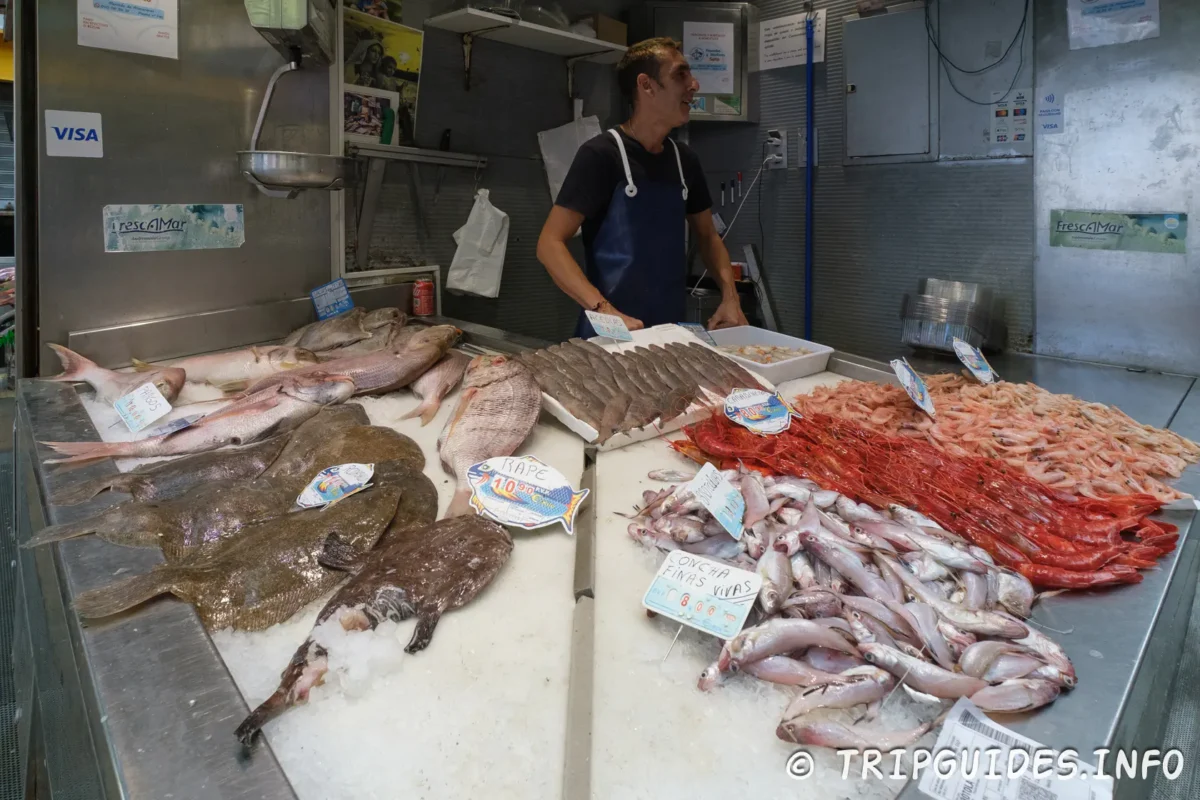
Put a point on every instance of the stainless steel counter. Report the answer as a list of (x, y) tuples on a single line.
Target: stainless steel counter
[(142, 706)]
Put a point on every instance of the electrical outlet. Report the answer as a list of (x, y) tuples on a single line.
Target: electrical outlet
[(777, 149)]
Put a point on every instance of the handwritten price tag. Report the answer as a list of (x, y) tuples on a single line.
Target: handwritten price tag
[(723, 501), (142, 406), (707, 595), (331, 299), (524, 492), (609, 325)]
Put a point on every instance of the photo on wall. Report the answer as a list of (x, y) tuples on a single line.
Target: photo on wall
[(385, 56), (364, 113), (383, 9)]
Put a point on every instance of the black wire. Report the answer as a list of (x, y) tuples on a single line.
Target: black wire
[(762, 236), (947, 63)]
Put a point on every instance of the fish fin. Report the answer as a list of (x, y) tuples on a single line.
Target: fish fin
[(340, 555), (74, 365), (230, 386), (306, 670), (117, 597), (429, 413), (60, 533), (234, 411), (87, 451), (568, 518), (81, 493), (460, 506), (141, 366), (423, 634)]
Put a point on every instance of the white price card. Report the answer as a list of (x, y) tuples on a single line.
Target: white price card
[(707, 595), (762, 412), (142, 406), (973, 360), (1010, 766), (609, 325), (913, 384), (335, 483), (717, 495), (524, 492)]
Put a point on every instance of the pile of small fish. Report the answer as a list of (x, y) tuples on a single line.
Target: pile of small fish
[(616, 392), (855, 602)]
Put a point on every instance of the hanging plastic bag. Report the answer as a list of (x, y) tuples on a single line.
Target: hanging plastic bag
[(559, 146), (479, 261)]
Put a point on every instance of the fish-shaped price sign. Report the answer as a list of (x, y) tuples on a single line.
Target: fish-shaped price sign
[(913, 384), (704, 594), (524, 492), (762, 412), (334, 484), (973, 360)]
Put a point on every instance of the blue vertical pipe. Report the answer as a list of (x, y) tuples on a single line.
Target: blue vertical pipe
[(809, 127)]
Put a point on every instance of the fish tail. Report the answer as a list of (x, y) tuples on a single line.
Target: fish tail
[(75, 366), (230, 387), (460, 506), (90, 451), (426, 411), (60, 533), (117, 597), (306, 670), (573, 507), (141, 366)]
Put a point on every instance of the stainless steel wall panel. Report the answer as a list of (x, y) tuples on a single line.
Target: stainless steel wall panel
[(1132, 143), (879, 228), (171, 133)]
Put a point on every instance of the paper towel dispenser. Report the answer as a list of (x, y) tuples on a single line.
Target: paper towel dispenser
[(309, 25)]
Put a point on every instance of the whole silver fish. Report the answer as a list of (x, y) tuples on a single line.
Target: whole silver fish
[(862, 690), (976, 594), (237, 369), (670, 475), (776, 573), (757, 505), (1011, 666), (434, 385), (1015, 696), (977, 658), (925, 567), (684, 530), (825, 498), (935, 643), (921, 675), (827, 660), (720, 546), (790, 672), (1047, 649), (837, 736), (986, 623), (1015, 593), (812, 603), (802, 570), (327, 334), (110, 385), (497, 410), (382, 372), (779, 636), (258, 416)]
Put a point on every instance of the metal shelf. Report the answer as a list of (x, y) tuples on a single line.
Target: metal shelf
[(473, 22), (418, 155)]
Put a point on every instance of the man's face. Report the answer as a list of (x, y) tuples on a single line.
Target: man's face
[(671, 95)]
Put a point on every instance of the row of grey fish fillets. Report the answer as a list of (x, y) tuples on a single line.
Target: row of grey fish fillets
[(615, 392)]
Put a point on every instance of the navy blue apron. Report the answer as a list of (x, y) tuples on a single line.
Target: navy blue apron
[(639, 255)]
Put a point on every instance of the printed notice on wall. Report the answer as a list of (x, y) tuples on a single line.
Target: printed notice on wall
[(1050, 118), (74, 134), (1095, 23), (709, 49), (783, 42), (146, 27), (1010, 119), (1116, 230), (156, 227)]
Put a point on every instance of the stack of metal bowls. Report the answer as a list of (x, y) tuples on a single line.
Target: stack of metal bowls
[(943, 311)]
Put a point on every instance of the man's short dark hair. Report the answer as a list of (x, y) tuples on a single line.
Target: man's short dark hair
[(643, 58)]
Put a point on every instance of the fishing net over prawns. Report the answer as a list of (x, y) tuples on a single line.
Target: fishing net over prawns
[(1088, 449), (1056, 540)]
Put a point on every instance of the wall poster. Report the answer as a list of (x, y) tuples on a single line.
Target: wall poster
[(1095, 23), (709, 48), (1116, 230), (386, 57), (146, 27), (783, 42), (155, 227)]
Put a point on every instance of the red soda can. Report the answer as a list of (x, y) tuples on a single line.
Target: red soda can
[(423, 299)]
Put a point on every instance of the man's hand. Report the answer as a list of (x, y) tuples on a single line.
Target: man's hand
[(632, 323), (729, 314)]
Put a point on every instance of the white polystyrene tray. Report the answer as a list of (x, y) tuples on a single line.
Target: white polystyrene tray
[(791, 369), (659, 334)]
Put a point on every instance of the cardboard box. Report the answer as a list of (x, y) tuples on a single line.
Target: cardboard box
[(610, 30)]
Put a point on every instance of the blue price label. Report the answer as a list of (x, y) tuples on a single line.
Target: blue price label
[(332, 299)]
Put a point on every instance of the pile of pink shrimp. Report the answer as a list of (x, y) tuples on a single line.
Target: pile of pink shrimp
[(1072, 446)]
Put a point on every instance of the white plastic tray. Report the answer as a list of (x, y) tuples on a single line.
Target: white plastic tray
[(659, 334), (780, 371)]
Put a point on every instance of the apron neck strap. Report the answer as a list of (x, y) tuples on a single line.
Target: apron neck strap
[(630, 189)]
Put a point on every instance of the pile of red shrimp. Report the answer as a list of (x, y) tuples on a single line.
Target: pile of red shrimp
[(1055, 539)]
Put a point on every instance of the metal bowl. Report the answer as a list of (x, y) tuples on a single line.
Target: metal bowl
[(285, 170)]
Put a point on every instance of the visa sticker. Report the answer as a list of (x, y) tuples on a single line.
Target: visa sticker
[(974, 361), (176, 425), (704, 594), (335, 483), (699, 330), (331, 299), (143, 405), (524, 492), (762, 412), (913, 384), (716, 494), (609, 325)]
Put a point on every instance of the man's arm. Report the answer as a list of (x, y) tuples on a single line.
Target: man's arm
[(716, 258), (552, 251)]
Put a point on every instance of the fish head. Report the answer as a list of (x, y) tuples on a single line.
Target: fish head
[(872, 652), (169, 381), (321, 389)]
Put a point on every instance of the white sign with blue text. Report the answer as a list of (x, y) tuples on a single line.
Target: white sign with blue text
[(331, 299), (74, 134)]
